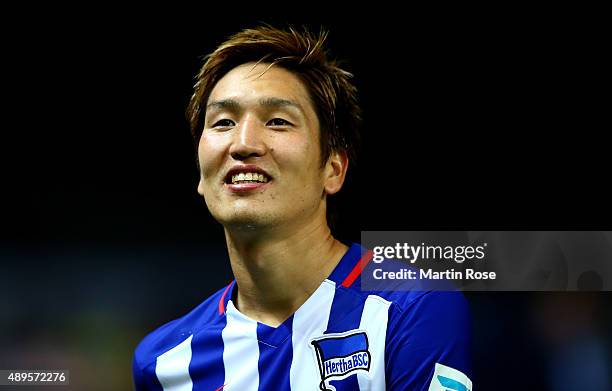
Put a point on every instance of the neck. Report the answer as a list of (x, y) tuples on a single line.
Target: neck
[(277, 273)]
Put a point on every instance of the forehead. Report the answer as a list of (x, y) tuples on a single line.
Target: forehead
[(251, 82)]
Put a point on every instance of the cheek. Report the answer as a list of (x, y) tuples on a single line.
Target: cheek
[(300, 158), (210, 154), (295, 150)]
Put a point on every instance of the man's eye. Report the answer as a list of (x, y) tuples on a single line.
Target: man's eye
[(278, 122), (223, 123)]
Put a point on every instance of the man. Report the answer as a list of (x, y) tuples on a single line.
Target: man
[(276, 124)]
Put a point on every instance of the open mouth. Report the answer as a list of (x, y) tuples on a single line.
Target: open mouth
[(248, 177), (247, 174)]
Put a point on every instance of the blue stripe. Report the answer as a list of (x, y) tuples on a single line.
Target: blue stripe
[(345, 315), (346, 311), (207, 357), (275, 356), (148, 380)]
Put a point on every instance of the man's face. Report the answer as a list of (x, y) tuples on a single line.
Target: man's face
[(259, 154)]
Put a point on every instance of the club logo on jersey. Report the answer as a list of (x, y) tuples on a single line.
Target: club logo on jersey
[(341, 354), (449, 379)]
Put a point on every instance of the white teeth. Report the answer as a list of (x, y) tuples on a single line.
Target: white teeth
[(250, 177)]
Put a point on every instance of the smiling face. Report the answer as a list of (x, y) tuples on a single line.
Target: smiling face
[(259, 154)]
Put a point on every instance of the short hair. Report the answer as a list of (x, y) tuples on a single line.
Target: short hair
[(333, 95)]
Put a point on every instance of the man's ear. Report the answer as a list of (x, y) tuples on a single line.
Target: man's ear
[(335, 171), (201, 181), (201, 186)]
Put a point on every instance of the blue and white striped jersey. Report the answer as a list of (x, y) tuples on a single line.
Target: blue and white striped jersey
[(341, 338)]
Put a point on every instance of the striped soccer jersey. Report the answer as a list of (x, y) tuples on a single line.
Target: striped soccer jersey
[(341, 338)]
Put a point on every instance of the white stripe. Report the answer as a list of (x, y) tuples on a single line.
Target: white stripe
[(309, 321), (240, 351), (374, 319), (172, 367)]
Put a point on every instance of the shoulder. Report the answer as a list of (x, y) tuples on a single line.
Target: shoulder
[(426, 330), (169, 335)]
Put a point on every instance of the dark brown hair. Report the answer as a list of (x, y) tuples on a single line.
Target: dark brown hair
[(332, 93)]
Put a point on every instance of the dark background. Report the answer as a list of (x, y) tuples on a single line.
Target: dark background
[(474, 119)]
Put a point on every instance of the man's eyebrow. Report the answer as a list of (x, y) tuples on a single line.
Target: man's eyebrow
[(280, 102), (234, 105), (230, 104)]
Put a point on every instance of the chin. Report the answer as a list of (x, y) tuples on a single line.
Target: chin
[(246, 221)]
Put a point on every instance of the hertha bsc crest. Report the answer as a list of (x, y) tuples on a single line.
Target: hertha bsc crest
[(340, 355)]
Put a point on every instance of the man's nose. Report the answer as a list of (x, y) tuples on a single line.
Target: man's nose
[(248, 140)]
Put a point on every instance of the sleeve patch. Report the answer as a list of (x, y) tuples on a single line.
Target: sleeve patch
[(449, 379)]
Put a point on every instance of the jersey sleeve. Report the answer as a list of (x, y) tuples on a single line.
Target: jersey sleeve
[(428, 344), (138, 376)]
